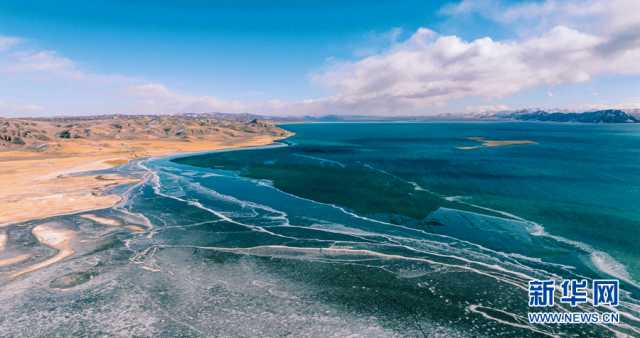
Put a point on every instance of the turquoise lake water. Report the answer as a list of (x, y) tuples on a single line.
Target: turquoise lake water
[(580, 182), (566, 204)]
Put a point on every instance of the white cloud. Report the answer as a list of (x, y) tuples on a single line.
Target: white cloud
[(7, 42), (44, 61), (157, 98), (429, 70), (16, 109), (129, 94), (20, 59), (603, 17), (487, 108), (16, 57), (375, 42)]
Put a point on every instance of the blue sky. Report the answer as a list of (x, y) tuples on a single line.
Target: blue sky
[(228, 48), (304, 57)]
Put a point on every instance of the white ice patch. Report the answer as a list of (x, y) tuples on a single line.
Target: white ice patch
[(601, 260)]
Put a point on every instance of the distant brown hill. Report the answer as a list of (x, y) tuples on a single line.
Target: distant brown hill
[(40, 133)]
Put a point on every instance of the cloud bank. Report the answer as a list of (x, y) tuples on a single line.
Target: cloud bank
[(18, 109), (579, 41)]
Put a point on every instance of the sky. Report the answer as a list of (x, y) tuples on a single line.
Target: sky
[(286, 57)]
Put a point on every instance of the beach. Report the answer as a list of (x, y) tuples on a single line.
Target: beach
[(37, 185), (484, 143)]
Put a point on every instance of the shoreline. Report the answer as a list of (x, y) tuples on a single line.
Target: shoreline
[(42, 185)]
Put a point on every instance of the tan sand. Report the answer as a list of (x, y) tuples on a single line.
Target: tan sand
[(102, 220), (14, 260), (10, 260), (53, 236), (506, 143), (40, 180), (3, 240), (135, 228), (37, 185), (494, 143), (111, 222)]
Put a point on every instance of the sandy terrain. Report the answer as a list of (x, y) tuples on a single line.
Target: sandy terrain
[(3, 240), (112, 222), (11, 260), (46, 165), (53, 236), (494, 143), (38, 185), (35, 185), (102, 220)]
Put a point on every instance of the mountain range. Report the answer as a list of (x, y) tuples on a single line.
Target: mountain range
[(41, 133), (596, 116)]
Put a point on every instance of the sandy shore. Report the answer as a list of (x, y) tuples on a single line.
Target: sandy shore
[(55, 237), (3, 240), (102, 220), (494, 143), (37, 185)]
